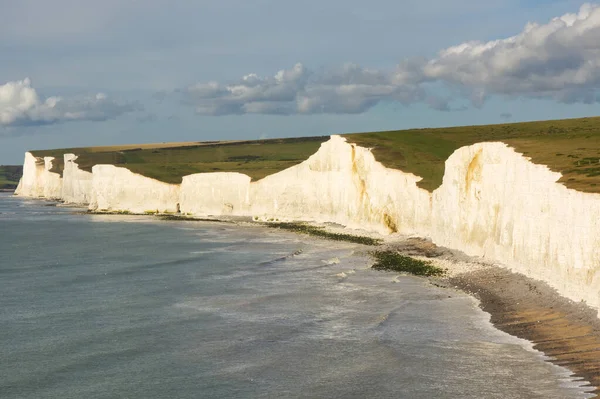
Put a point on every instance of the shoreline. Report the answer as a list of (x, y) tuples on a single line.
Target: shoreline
[(567, 333)]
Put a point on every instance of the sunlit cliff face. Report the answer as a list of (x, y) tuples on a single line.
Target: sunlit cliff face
[(493, 203)]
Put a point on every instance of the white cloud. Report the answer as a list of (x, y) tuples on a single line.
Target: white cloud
[(558, 60), (20, 104), (350, 89), (251, 94)]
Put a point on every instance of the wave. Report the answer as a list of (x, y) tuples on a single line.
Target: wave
[(282, 258)]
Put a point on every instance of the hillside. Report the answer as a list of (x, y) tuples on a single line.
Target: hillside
[(9, 176), (570, 146), (170, 162)]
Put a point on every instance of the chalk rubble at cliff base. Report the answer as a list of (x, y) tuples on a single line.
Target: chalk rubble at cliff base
[(493, 203)]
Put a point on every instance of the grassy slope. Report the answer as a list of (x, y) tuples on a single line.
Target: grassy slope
[(570, 146), (9, 176), (169, 164)]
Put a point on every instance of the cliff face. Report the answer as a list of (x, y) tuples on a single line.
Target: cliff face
[(493, 203), (118, 189), (343, 183), (340, 183), (77, 183), (37, 180), (496, 204), (215, 194)]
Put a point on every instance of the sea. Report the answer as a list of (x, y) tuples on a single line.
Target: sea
[(121, 306)]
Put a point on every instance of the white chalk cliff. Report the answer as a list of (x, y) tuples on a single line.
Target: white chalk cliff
[(119, 189), (77, 183), (38, 181), (496, 204), (493, 203)]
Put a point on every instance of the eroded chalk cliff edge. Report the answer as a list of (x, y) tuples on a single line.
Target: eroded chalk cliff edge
[(38, 181), (493, 203)]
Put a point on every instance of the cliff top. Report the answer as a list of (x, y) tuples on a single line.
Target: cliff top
[(170, 162), (570, 146)]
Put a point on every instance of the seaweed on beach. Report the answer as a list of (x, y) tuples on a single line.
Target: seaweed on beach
[(107, 212), (318, 231), (179, 217), (393, 261)]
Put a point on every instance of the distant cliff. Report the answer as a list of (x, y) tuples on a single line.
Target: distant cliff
[(493, 202)]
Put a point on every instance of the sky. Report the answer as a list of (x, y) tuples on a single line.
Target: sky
[(88, 72)]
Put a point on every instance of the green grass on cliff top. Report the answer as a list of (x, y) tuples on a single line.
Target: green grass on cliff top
[(257, 159), (570, 146), (9, 176)]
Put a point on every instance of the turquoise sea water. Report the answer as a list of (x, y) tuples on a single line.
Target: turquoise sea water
[(132, 307)]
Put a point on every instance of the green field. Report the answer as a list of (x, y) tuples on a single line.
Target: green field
[(257, 159), (570, 146), (9, 176)]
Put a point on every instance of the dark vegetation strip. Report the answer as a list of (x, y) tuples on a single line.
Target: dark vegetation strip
[(191, 219), (384, 260), (394, 261), (161, 216), (318, 231)]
